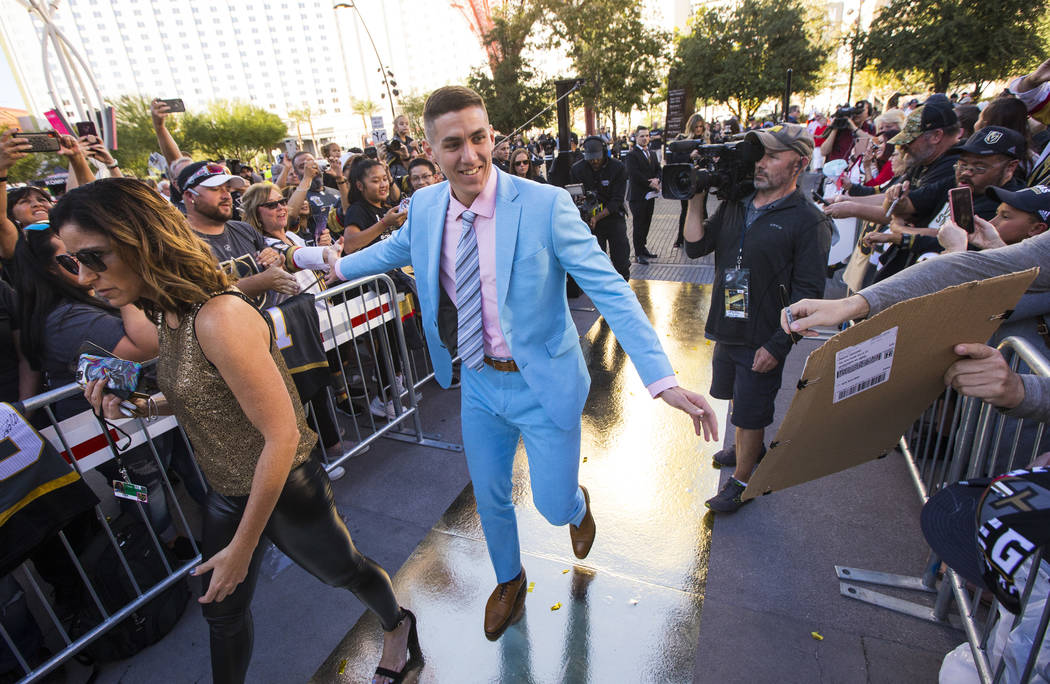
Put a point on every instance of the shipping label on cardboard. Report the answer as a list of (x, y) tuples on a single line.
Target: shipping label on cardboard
[(864, 365)]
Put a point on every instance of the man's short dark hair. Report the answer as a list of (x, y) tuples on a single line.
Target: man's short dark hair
[(421, 161), (297, 155), (641, 128), (449, 99)]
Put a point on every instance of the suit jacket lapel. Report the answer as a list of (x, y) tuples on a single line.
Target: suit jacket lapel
[(508, 218)]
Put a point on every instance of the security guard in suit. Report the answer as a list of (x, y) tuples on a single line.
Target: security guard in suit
[(643, 171)]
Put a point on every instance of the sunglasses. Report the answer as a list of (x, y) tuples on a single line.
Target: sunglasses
[(283, 202), (88, 257), (522, 162)]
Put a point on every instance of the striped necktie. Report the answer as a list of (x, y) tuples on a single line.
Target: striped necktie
[(468, 296)]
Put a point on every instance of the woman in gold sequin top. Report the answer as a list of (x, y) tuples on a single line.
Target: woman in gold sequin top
[(227, 384)]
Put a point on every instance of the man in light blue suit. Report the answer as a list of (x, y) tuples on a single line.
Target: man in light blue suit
[(490, 252)]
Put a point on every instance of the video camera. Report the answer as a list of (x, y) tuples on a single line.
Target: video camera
[(586, 201), (842, 116), (728, 168)]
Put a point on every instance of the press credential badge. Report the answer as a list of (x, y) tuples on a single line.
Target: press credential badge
[(864, 365)]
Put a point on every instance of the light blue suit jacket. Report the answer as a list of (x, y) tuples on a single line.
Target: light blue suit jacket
[(539, 238)]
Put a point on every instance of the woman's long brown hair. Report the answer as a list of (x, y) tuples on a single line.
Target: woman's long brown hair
[(149, 235)]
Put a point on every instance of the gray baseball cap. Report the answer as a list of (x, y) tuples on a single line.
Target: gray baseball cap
[(781, 137)]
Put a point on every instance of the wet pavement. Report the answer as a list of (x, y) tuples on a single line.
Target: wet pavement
[(631, 611)]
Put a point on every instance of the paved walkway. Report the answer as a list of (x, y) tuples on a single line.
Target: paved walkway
[(742, 610)]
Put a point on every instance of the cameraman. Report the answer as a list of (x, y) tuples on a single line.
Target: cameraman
[(607, 179), (771, 248), (845, 129)]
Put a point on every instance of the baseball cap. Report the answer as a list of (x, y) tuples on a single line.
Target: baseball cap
[(593, 148), (986, 529), (1034, 200), (783, 137), (929, 117), (995, 140), (208, 174)]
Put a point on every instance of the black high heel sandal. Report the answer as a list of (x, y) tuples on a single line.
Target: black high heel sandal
[(415, 653)]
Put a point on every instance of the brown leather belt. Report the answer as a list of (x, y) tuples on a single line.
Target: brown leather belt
[(505, 366)]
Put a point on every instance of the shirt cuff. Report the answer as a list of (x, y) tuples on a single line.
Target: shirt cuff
[(655, 388)]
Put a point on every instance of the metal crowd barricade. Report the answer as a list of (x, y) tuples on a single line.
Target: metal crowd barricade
[(366, 318), (954, 439), (85, 445), (356, 319)]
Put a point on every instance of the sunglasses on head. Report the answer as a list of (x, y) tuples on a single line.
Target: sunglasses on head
[(283, 202), (91, 258)]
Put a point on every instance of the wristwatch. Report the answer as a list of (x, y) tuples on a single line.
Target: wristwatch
[(114, 165)]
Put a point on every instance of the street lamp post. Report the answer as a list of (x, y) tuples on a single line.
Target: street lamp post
[(382, 68)]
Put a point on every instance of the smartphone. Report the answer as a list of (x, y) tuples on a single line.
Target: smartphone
[(818, 199), (87, 128), (403, 207), (961, 202), (575, 190), (175, 104), (289, 148), (43, 141), (120, 375)]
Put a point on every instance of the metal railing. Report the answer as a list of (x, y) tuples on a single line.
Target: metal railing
[(362, 330), (954, 439)]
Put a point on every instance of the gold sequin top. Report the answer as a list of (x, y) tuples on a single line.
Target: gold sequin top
[(226, 444)]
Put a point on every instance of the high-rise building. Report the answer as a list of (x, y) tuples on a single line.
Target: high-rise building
[(281, 55)]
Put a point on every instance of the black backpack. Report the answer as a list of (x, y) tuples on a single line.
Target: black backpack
[(147, 625)]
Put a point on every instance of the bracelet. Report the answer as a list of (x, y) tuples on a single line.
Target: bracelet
[(341, 181), (113, 165)]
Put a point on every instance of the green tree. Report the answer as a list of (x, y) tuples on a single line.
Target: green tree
[(136, 138), (233, 130), (412, 107), (512, 92), (957, 41), (364, 109), (620, 59), (741, 55)]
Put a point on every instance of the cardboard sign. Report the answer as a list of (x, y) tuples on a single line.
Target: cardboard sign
[(863, 388)]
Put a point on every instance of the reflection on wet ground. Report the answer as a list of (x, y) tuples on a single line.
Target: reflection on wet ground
[(630, 612)]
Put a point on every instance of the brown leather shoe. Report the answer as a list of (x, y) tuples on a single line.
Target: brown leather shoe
[(505, 606), (583, 536)]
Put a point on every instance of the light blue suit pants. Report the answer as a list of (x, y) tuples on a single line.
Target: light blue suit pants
[(497, 408)]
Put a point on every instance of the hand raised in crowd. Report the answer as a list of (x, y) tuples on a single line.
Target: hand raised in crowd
[(269, 257), (764, 361), (68, 146), (11, 150), (158, 111), (229, 567), (280, 280), (985, 374), (875, 237), (841, 209), (107, 404), (324, 239), (704, 419), (811, 313), (952, 237), (311, 170), (394, 218), (898, 191), (985, 235), (94, 148)]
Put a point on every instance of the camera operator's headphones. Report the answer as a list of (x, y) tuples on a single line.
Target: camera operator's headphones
[(596, 139)]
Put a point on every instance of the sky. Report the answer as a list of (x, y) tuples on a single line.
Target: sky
[(9, 95)]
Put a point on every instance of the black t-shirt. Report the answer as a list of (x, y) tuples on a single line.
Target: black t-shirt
[(69, 326), (364, 216), (320, 203), (925, 192), (8, 357)]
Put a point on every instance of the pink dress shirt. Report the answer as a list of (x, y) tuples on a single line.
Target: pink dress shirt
[(484, 206)]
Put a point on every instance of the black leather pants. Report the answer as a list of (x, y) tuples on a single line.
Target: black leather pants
[(306, 526)]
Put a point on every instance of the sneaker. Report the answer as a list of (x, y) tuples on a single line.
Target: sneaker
[(382, 409), (726, 458), (728, 500), (402, 391)]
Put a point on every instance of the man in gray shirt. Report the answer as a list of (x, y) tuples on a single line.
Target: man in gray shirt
[(982, 372)]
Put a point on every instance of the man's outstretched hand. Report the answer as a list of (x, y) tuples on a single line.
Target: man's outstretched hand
[(983, 373), (698, 409)]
